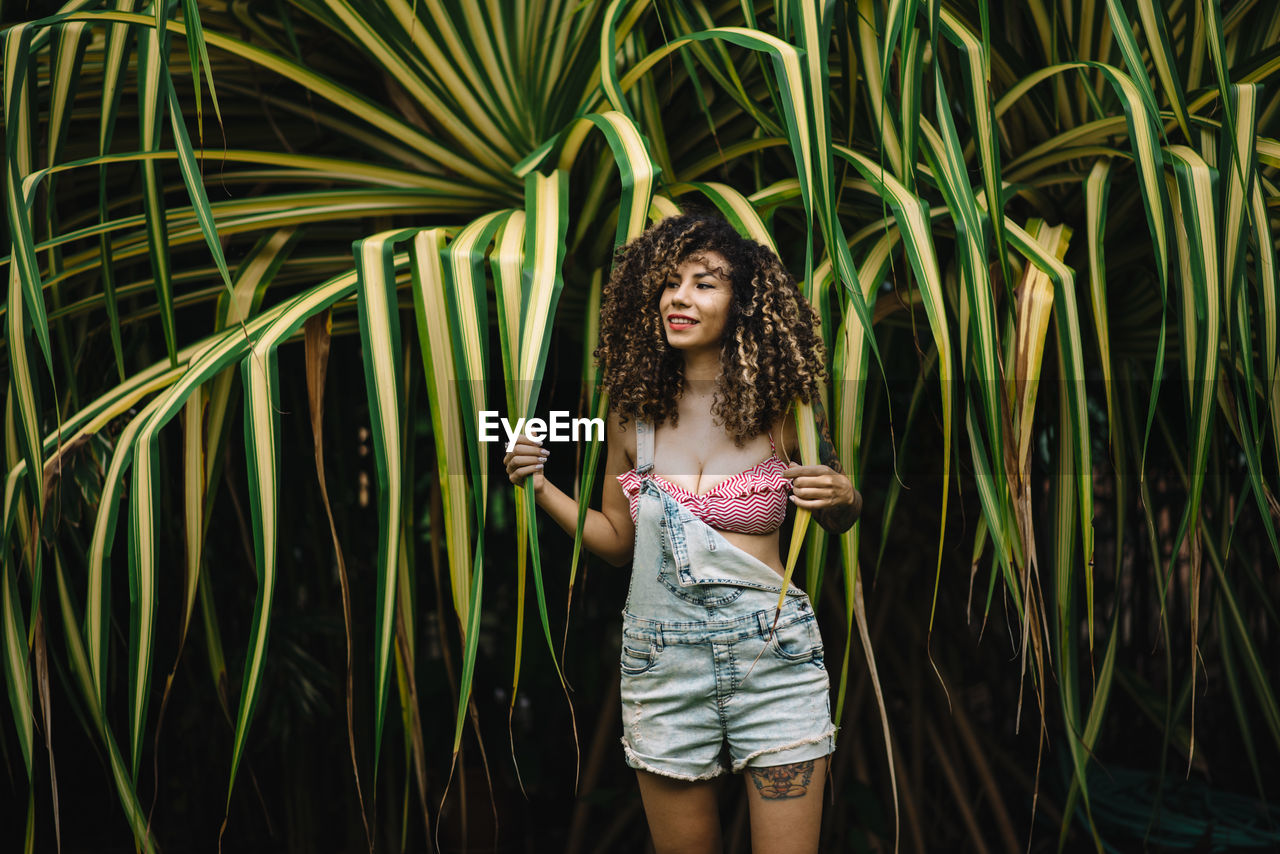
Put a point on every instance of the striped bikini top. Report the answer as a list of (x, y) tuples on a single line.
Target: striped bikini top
[(750, 502)]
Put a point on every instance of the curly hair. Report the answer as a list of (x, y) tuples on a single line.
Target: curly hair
[(771, 353)]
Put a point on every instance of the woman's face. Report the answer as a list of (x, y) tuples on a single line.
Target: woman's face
[(695, 302)]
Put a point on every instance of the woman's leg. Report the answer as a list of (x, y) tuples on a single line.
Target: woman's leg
[(786, 806), (684, 818)]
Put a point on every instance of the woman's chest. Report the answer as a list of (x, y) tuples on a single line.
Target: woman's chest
[(698, 457)]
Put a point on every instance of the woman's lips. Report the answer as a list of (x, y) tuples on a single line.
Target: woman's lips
[(680, 322)]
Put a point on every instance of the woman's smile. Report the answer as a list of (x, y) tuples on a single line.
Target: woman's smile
[(680, 321)]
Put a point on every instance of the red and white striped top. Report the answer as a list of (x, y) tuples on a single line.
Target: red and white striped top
[(751, 502)]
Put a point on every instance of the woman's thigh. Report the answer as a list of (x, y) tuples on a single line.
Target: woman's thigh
[(683, 816), (785, 802)]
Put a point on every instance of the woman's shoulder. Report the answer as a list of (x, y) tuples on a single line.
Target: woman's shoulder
[(617, 431)]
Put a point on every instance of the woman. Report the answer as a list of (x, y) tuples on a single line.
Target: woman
[(706, 342)]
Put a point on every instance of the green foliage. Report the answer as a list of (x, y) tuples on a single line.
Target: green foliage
[(950, 180)]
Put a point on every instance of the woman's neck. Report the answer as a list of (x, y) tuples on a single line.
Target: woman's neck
[(701, 369)]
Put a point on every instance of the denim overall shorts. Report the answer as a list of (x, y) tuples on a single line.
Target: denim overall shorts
[(710, 684)]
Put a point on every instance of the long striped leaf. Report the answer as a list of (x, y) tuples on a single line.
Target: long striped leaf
[(19, 143), (261, 428), (1156, 30), (1238, 160), (597, 406), (66, 69), (194, 498), (813, 25), (1035, 299), (546, 212), (194, 182), (1196, 217), (26, 303), (1268, 292), (198, 54), (1066, 315), (1097, 192), (637, 174), (80, 667), (143, 508), (507, 262), (118, 38), (16, 669), (913, 223), (1121, 28), (143, 582), (151, 95), (807, 433), (141, 544), (380, 334), (848, 411), (636, 168), (465, 298), (1063, 563), (978, 79), (449, 389), (21, 401), (944, 156), (144, 501)]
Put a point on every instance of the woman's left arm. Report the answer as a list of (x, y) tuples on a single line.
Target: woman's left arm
[(824, 489)]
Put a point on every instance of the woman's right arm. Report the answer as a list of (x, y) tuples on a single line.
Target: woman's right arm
[(608, 532)]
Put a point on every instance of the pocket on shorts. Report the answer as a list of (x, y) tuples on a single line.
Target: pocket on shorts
[(798, 641), (637, 656)]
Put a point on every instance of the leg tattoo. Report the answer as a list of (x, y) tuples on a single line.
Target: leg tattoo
[(783, 781)]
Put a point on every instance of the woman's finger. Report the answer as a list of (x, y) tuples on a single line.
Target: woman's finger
[(526, 470), (524, 460), (811, 483), (524, 453), (529, 452), (519, 474)]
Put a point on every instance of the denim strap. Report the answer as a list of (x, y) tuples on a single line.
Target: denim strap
[(644, 447)]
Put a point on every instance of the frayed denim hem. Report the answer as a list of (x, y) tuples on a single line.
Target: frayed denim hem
[(741, 764), (640, 764)]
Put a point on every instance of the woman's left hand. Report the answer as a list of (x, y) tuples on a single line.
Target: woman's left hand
[(815, 487), (827, 493)]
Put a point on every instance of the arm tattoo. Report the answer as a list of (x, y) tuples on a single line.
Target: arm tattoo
[(834, 519), (826, 449), (781, 782)]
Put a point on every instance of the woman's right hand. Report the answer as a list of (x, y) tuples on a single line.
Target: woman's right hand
[(525, 459)]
